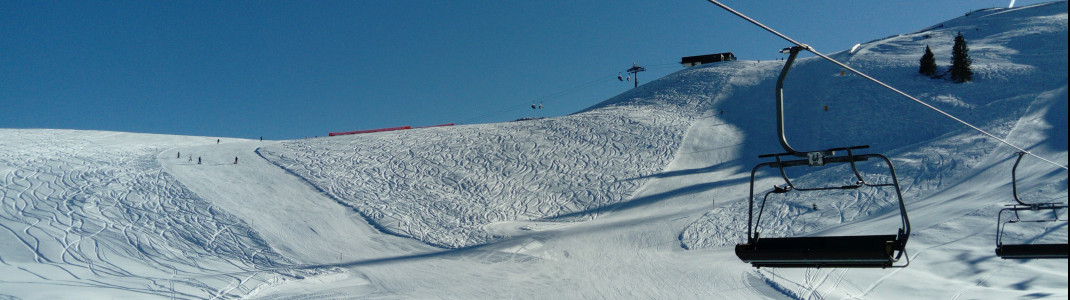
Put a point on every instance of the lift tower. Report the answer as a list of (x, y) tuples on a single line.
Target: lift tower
[(635, 72)]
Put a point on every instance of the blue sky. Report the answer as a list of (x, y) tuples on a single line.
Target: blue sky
[(291, 69)]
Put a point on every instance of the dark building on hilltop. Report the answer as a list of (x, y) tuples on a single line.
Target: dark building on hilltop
[(691, 61)]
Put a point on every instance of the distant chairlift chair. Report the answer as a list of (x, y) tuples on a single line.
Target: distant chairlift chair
[(1027, 251), (866, 251)]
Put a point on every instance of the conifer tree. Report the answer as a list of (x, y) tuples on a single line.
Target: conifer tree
[(928, 63), (960, 61)]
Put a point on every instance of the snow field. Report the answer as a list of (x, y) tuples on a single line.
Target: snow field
[(93, 212), (442, 185)]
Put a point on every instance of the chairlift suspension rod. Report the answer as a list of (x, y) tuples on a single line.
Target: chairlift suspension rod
[(794, 51), (815, 52)]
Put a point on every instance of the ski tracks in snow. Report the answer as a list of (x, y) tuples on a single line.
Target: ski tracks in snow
[(442, 185), (88, 214)]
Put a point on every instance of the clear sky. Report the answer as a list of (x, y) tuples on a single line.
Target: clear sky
[(291, 69)]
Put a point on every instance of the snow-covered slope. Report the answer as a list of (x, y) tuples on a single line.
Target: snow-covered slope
[(640, 196), (89, 214), (442, 185)]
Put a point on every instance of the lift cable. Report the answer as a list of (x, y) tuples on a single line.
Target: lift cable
[(811, 49), (555, 95), (547, 98)]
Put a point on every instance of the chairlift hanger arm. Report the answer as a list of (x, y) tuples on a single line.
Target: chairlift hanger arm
[(1014, 189), (780, 126), (1014, 178), (794, 51)]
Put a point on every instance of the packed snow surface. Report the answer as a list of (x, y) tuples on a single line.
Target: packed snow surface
[(641, 196), (93, 213)]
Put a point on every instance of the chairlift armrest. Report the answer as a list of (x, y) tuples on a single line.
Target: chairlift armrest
[(828, 150), (1035, 206), (803, 162)]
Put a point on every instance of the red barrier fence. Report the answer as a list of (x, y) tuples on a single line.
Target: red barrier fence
[(385, 129)]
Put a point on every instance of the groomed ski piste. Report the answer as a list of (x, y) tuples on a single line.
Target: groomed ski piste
[(641, 196)]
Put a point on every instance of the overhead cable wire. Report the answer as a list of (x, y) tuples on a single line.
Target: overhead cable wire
[(815, 52), (547, 98), (665, 65)]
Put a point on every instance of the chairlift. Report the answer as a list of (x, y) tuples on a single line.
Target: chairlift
[(1027, 251), (865, 251)]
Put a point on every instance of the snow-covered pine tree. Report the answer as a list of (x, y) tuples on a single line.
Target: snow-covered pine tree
[(960, 61), (928, 62)]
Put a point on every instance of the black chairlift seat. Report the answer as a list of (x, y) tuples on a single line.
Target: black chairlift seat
[(1032, 251), (865, 251)]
